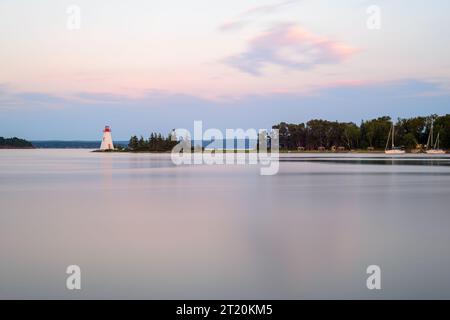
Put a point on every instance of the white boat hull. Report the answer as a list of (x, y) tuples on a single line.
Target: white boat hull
[(435, 151), (394, 151)]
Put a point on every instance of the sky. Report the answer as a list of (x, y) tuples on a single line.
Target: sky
[(153, 65)]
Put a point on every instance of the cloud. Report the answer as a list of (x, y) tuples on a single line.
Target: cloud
[(269, 8), (11, 100), (244, 18), (289, 46), (162, 111), (233, 25)]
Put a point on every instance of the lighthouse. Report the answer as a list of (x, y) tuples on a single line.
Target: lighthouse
[(107, 143)]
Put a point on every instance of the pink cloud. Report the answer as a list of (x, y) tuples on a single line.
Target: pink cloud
[(289, 46)]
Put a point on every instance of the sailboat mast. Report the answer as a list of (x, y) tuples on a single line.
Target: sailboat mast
[(431, 135), (393, 134), (387, 142)]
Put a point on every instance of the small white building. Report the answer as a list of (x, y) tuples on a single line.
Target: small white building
[(107, 143)]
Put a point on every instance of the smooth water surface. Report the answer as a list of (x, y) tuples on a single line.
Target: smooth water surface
[(140, 227)]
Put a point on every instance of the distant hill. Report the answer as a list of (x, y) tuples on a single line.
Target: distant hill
[(75, 144), (15, 143)]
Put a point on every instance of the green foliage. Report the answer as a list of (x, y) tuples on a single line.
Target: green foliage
[(371, 133), (352, 135), (374, 133), (409, 141), (134, 143), (318, 133), (442, 126), (155, 143), (14, 143)]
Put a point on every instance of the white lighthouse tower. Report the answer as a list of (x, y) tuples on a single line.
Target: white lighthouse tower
[(107, 143)]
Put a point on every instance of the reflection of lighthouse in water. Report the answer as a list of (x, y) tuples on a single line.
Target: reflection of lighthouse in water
[(107, 143)]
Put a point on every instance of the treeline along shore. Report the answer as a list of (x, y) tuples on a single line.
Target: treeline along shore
[(155, 143), (411, 134), (15, 143)]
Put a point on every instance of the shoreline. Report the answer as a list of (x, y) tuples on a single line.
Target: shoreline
[(284, 152), (281, 152)]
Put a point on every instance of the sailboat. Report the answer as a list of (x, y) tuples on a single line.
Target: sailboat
[(433, 149), (393, 149)]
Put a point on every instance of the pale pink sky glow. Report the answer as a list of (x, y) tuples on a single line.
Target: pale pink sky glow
[(236, 62), (156, 46)]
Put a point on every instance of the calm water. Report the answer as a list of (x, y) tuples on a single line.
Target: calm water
[(140, 227)]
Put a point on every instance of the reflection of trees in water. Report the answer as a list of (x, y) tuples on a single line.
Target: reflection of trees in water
[(435, 161)]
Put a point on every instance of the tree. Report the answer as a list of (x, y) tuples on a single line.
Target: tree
[(155, 143), (413, 129), (352, 135), (442, 126), (142, 144), (133, 144), (323, 133), (376, 132), (14, 143), (409, 141)]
